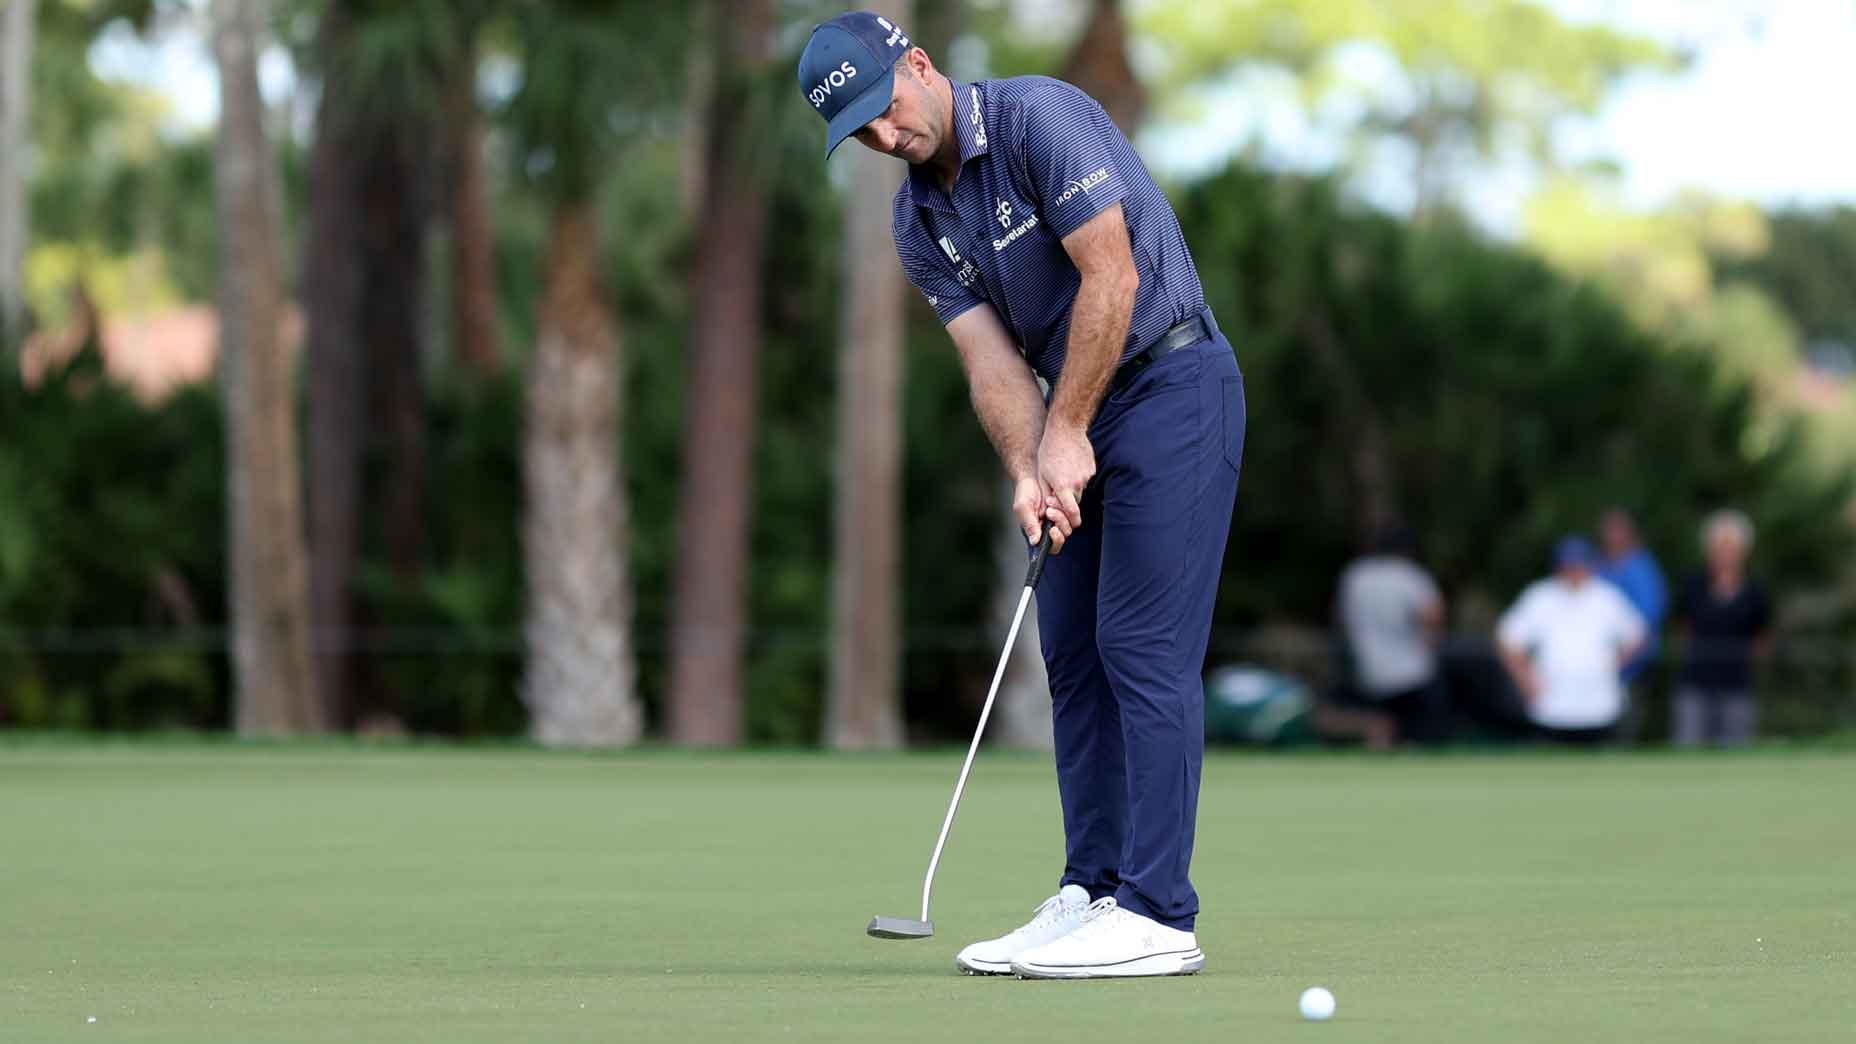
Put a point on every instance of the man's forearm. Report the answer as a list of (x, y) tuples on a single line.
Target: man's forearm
[(1011, 409), (1098, 330), (1520, 669)]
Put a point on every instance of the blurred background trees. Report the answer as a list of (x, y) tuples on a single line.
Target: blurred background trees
[(16, 38), (617, 420)]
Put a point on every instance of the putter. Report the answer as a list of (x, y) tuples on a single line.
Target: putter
[(902, 927)]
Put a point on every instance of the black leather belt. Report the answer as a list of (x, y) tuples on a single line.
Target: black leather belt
[(1192, 331)]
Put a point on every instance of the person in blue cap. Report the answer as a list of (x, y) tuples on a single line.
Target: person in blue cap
[(1564, 642), (1037, 235)]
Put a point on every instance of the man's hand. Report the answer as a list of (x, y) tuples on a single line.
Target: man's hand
[(1529, 684), (1028, 506), (1066, 463)]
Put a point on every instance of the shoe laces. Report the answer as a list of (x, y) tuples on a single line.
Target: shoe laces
[(1048, 911), (1099, 916)]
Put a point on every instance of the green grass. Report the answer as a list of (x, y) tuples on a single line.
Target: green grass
[(202, 894)]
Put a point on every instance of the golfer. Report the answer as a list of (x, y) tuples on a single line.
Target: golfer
[(1038, 237)]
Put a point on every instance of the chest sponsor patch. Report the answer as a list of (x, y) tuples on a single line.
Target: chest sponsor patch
[(963, 268), (1013, 236)]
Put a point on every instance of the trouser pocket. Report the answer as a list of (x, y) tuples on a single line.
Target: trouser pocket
[(1231, 403)]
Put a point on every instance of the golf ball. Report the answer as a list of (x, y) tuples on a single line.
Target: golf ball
[(1317, 1004)]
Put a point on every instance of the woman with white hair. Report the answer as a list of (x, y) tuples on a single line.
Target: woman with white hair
[(1728, 621)]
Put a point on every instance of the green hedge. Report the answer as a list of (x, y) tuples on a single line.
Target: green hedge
[(1511, 404)]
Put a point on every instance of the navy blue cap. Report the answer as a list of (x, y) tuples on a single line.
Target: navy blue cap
[(1575, 551), (849, 70)]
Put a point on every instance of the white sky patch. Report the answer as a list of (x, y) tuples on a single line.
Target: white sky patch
[(1758, 114), (1762, 113)]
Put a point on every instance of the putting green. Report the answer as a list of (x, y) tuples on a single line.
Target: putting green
[(207, 893)]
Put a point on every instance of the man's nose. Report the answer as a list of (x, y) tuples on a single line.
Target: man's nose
[(882, 135)]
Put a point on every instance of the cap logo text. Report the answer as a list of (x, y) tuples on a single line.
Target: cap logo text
[(895, 34), (837, 77)]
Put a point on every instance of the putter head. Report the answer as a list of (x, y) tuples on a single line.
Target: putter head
[(899, 928)]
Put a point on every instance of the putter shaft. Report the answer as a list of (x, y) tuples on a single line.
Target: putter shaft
[(1011, 638)]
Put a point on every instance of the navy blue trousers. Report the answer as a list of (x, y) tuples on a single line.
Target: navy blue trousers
[(1124, 614)]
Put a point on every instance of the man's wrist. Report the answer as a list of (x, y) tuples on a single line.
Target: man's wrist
[(1064, 420)]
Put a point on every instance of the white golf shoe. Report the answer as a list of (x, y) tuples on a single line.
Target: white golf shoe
[(1113, 943), (1055, 917)]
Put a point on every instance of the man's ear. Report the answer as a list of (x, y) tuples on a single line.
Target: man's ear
[(919, 63)]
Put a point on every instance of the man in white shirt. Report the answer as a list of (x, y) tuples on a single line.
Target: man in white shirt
[(1392, 615), (1564, 642)]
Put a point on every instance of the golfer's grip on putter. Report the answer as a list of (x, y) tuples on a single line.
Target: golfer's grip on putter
[(1036, 569)]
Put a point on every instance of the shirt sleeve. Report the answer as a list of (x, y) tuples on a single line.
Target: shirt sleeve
[(936, 274), (1069, 148), (1519, 625)]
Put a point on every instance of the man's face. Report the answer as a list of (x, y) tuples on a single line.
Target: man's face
[(913, 126), (1726, 552)]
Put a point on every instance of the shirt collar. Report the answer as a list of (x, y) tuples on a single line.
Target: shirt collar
[(969, 132)]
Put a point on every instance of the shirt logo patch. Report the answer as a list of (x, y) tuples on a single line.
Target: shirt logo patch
[(1012, 237), (979, 123), (1004, 214), (1077, 188), (964, 271)]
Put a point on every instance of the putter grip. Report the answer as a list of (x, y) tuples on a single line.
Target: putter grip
[(1037, 559)]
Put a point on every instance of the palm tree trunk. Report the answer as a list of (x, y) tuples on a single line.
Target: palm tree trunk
[(1099, 64), (863, 707), (273, 669), (336, 378), (581, 675), (16, 29), (396, 216), (473, 271), (707, 627), (699, 107)]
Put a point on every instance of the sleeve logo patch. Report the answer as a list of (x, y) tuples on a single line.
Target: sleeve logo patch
[(1078, 188)]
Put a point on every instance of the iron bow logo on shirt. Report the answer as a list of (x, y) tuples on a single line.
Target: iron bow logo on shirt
[(1077, 188)]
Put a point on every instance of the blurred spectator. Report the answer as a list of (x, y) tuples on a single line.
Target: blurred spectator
[(1728, 621), (1392, 614), (1564, 642), (1635, 571)]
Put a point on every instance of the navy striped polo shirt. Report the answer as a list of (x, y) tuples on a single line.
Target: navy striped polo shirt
[(1038, 159)]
